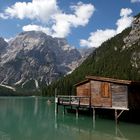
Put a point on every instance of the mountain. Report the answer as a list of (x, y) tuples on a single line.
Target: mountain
[(33, 58), (119, 57), (3, 45), (85, 52)]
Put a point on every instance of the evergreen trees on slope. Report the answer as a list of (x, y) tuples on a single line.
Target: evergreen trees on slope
[(111, 59)]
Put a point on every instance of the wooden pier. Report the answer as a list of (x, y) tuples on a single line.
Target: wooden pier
[(73, 100), (76, 102)]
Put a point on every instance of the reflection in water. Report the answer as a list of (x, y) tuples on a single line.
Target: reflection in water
[(36, 106), (4, 136), (35, 119)]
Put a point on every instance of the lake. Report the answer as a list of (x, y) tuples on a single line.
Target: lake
[(32, 118)]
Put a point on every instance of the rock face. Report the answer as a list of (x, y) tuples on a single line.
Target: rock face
[(3, 45), (134, 39), (85, 52), (33, 57), (134, 35)]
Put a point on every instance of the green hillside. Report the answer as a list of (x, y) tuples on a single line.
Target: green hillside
[(111, 59)]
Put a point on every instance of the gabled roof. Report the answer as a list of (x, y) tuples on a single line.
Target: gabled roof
[(82, 82), (105, 79), (112, 80)]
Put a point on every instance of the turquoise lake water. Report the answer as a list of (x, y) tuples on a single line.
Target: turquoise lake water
[(32, 118)]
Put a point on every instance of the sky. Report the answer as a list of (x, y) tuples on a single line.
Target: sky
[(84, 23)]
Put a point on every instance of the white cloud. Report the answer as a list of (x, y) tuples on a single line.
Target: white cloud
[(48, 13), (3, 16), (83, 12), (41, 10), (125, 20), (125, 12), (32, 27), (133, 1), (64, 22), (62, 27), (98, 37)]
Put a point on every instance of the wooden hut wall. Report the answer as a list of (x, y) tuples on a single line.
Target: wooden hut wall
[(95, 93), (108, 94), (100, 94), (119, 95), (84, 90)]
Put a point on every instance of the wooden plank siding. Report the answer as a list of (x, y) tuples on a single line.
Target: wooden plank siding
[(84, 90), (100, 94), (104, 94), (119, 95), (95, 93)]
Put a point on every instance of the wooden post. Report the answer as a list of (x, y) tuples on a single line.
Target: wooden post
[(77, 112), (118, 115), (56, 108), (90, 102), (64, 110), (116, 130), (90, 96), (55, 92), (70, 100), (56, 111), (116, 119), (94, 117), (56, 102), (79, 102), (56, 105), (93, 113)]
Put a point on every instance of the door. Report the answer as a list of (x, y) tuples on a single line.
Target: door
[(106, 94), (96, 93)]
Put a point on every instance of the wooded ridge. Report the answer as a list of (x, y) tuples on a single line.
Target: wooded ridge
[(119, 58)]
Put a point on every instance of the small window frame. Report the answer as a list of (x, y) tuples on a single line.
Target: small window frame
[(105, 90)]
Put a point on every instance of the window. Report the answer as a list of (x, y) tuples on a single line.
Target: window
[(105, 91)]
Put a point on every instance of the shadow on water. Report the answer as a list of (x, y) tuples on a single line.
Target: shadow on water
[(34, 119)]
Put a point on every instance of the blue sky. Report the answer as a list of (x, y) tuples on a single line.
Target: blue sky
[(85, 23)]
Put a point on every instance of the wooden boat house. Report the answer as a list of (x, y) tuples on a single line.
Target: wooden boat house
[(110, 93), (105, 93)]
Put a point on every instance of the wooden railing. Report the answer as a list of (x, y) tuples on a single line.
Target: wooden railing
[(73, 100)]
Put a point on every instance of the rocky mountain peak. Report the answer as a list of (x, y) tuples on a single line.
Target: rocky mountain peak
[(3, 45), (133, 39), (37, 57), (134, 35)]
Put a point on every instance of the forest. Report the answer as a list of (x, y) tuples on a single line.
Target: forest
[(109, 60)]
